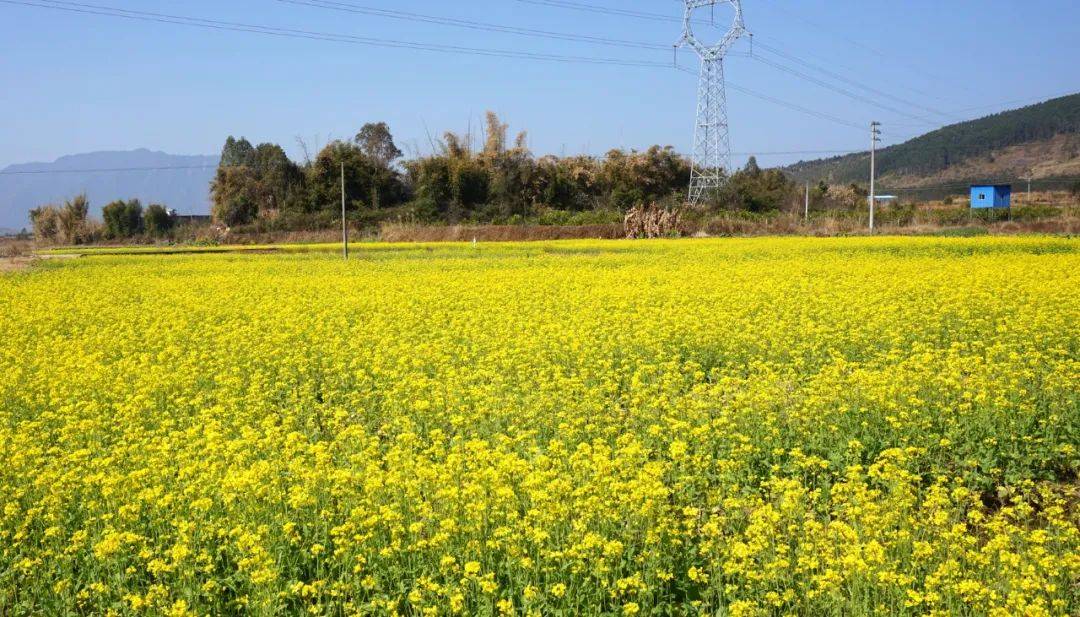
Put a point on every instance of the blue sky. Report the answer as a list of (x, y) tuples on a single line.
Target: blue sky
[(77, 82)]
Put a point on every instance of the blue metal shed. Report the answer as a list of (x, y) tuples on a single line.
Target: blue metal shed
[(991, 196)]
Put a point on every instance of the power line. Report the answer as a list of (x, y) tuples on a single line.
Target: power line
[(90, 9), (851, 82), (82, 8), (104, 170), (793, 106), (783, 103), (794, 152), (349, 7), (581, 6), (592, 8), (1025, 100), (924, 122), (843, 91), (855, 43)]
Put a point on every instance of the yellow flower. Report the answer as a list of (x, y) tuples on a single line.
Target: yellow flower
[(820, 425)]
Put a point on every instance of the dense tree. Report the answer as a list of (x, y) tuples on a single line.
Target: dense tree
[(237, 152), (504, 182), (158, 221), (279, 180), (449, 185), (752, 168), (255, 180), (501, 181), (45, 221), (234, 192), (511, 171), (376, 141), (71, 218), (640, 177), (568, 183), (758, 190), (123, 219), (368, 185)]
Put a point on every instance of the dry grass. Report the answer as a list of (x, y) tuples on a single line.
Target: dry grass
[(14, 248), (15, 255), (398, 232), (14, 264)]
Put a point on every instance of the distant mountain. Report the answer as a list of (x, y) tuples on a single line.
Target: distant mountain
[(1041, 140), (180, 182)]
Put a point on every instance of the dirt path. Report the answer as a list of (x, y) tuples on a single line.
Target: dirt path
[(14, 264), (24, 262)]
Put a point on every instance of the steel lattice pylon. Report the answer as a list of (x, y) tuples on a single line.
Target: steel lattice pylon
[(711, 156)]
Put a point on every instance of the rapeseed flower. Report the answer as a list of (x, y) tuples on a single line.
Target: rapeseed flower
[(740, 427)]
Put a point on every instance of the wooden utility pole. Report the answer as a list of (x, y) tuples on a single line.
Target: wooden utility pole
[(806, 210), (875, 137), (344, 221)]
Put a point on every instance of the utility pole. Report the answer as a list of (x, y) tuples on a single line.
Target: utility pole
[(806, 210), (875, 138), (344, 221)]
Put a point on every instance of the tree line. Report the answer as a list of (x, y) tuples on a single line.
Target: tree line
[(496, 181), (70, 222)]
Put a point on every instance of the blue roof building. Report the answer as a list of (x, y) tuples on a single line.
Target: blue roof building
[(991, 196)]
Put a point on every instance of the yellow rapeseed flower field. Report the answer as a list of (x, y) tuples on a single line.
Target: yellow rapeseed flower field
[(715, 427)]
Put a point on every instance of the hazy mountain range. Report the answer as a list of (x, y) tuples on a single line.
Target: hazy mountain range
[(180, 182)]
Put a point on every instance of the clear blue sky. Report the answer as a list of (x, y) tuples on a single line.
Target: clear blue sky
[(76, 82)]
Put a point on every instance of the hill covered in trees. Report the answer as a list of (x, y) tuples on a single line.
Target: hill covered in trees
[(1041, 140)]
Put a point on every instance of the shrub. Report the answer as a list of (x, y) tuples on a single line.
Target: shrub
[(898, 214), (123, 219), (158, 221), (235, 195), (72, 218), (45, 221)]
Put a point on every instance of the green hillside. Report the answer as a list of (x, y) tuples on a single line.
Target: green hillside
[(937, 152)]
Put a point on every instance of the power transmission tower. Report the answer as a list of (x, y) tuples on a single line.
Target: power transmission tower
[(711, 156)]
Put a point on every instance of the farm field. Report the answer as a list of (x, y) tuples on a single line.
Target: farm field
[(856, 426)]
